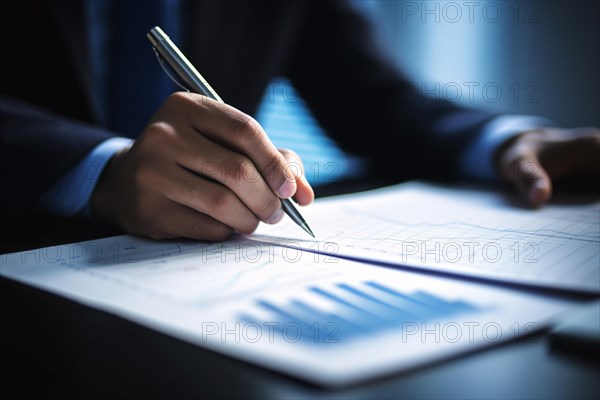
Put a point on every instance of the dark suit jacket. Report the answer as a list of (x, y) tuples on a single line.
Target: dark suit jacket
[(48, 119)]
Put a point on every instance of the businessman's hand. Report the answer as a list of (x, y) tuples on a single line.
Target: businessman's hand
[(200, 169), (534, 159)]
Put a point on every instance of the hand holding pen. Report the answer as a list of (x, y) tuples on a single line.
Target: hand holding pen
[(168, 53), (200, 169)]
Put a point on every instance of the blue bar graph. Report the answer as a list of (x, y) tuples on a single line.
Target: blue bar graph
[(361, 310)]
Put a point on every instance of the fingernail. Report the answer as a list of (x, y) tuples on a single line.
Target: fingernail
[(287, 189), (275, 218), (537, 193)]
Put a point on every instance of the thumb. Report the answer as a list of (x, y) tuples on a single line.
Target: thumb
[(530, 178), (304, 193)]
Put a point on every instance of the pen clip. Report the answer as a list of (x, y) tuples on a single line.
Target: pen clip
[(165, 68)]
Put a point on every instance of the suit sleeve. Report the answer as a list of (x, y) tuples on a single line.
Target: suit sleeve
[(38, 147), (363, 101)]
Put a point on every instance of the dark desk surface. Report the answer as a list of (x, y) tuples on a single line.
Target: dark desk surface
[(53, 346)]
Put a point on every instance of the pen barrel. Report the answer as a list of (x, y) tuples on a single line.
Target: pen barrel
[(167, 51), (184, 69), (291, 211)]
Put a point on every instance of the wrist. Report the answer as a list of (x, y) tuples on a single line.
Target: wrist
[(102, 200)]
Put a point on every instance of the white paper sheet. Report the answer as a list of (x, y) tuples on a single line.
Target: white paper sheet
[(319, 318), (455, 230)]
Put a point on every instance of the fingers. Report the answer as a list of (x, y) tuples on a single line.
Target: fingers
[(200, 169), (532, 160), (235, 171), (304, 192), (568, 151), (144, 203), (209, 198), (532, 181), (521, 166), (239, 132), (181, 221)]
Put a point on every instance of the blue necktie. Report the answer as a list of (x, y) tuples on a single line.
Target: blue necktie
[(137, 85)]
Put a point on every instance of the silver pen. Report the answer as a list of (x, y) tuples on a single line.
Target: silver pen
[(166, 51)]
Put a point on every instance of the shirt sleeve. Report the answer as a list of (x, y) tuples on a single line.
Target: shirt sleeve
[(477, 160), (70, 195)]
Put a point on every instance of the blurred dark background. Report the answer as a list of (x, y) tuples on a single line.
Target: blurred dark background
[(553, 45)]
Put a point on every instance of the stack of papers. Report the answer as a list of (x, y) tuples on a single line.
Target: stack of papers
[(322, 318), (477, 233)]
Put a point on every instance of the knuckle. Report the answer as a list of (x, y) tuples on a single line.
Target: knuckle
[(195, 196), (199, 153), (221, 201), (269, 207), (249, 130), (277, 173), (178, 97), (527, 171), (295, 167), (187, 102), (274, 168), (290, 155), (238, 169), (157, 135), (246, 170)]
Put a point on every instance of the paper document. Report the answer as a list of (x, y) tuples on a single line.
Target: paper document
[(460, 231), (316, 317)]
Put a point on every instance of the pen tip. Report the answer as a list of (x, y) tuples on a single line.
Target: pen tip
[(307, 229)]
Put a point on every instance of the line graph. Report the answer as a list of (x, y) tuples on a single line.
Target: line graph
[(591, 236), (465, 232)]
